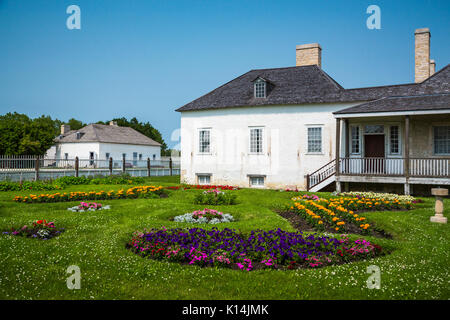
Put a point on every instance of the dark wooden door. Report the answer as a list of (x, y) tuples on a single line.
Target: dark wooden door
[(374, 150)]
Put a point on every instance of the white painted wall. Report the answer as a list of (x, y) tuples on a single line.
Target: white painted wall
[(82, 151), (115, 150), (285, 160)]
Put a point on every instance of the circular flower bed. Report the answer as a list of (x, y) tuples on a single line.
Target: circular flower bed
[(40, 229), (89, 206), (257, 250), (205, 216)]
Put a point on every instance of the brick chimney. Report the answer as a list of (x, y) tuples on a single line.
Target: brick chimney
[(432, 67), (65, 128), (113, 123), (422, 54), (309, 54)]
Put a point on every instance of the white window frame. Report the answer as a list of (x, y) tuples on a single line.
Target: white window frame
[(199, 142), (434, 141), (399, 152), (260, 86), (107, 155), (250, 139), (351, 139), (314, 126), (201, 176), (252, 178)]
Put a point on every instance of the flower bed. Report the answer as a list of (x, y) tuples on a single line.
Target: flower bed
[(206, 215), (40, 229), (340, 214), (207, 187), (260, 249), (381, 196), (131, 193), (215, 197), (88, 206)]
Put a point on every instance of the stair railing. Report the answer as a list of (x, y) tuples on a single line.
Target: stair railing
[(320, 174)]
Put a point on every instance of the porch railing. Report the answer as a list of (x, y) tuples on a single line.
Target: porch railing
[(436, 167), (418, 167)]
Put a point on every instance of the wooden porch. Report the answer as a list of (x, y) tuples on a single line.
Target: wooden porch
[(374, 160)]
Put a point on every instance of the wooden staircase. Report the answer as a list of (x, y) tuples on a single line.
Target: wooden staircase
[(321, 177)]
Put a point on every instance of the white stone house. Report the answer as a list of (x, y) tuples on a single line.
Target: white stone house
[(282, 127), (94, 144)]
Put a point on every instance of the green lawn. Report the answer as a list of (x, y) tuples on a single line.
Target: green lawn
[(33, 269)]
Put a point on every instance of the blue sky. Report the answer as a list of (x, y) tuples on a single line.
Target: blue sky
[(146, 58)]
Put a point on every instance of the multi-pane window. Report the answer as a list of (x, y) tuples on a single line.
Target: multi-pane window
[(204, 141), (355, 140), (66, 156), (394, 140), (260, 89), (315, 139), (441, 139), (257, 181), (107, 155), (256, 140), (204, 179), (374, 128)]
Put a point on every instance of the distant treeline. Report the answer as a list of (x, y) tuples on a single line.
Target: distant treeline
[(22, 135)]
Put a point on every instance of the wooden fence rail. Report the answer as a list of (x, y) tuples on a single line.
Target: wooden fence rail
[(31, 167)]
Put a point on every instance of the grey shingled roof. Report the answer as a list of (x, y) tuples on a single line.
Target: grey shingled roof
[(438, 101), (307, 84), (108, 134)]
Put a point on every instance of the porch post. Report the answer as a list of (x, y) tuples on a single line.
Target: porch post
[(338, 151), (406, 159), (347, 149), (110, 165)]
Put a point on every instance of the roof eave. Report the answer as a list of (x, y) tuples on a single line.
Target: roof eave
[(390, 113)]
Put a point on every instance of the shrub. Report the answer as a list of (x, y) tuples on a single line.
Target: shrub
[(69, 181), (28, 185), (215, 197), (257, 250), (99, 179), (206, 215)]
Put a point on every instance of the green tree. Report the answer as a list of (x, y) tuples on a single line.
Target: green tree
[(75, 124), (21, 135)]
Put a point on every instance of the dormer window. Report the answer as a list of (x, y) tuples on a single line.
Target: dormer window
[(260, 88), (78, 135)]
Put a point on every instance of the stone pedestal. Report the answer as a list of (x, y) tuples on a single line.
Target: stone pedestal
[(439, 193)]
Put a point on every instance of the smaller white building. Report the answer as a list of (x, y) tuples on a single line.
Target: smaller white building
[(94, 144)]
